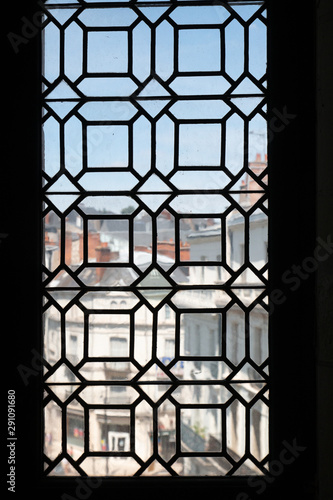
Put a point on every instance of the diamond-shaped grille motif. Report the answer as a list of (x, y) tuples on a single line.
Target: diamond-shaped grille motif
[(154, 279), (153, 107), (154, 183), (153, 89), (154, 287), (155, 312)]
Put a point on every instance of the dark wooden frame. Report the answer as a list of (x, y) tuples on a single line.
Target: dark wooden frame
[(292, 239)]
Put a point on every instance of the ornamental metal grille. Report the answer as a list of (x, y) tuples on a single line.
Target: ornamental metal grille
[(155, 238)]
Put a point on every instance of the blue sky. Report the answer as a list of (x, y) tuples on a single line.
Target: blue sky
[(199, 50)]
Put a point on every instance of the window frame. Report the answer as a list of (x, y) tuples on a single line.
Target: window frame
[(291, 70)]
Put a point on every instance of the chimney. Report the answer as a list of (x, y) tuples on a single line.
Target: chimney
[(184, 251), (142, 248), (166, 248), (166, 214), (93, 242), (103, 254), (244, 197), (68, 248), (258, 157)]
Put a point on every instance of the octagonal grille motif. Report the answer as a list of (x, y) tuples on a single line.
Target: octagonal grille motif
[(155, 312)]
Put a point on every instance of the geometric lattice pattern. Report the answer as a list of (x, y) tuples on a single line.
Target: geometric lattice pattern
[(155, 238)]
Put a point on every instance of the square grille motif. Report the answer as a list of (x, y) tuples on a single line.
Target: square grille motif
[(155, 313)]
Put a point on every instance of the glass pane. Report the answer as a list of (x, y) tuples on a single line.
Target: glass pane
[(155, 245), (199, 50), (199, 145)]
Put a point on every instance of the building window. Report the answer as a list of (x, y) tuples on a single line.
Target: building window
[(153, 117), (118, 347), (167, 312), (169, 348), (75, 428)]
